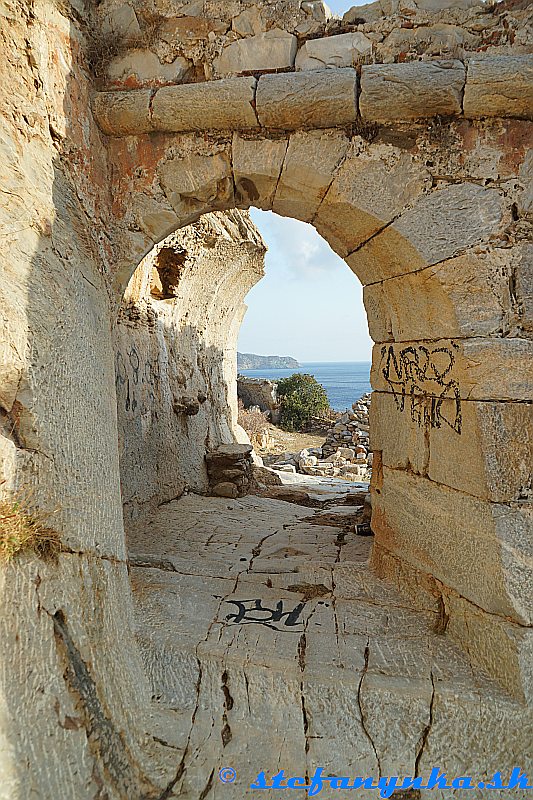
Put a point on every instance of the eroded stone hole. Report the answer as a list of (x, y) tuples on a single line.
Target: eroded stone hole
[(168, 269)]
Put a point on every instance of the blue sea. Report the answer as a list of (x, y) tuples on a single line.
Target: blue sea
[(345, 382)]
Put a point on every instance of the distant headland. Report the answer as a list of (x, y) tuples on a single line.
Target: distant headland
[(252, 361)]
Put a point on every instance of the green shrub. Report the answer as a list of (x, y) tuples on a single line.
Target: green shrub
[(301, 397)]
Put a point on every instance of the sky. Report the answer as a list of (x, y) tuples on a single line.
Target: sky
[(342, 6), (309, 305)]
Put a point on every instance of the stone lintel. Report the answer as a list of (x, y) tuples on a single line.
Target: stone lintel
[(311, 99), (417, 90), (214, 105), (499, 86)]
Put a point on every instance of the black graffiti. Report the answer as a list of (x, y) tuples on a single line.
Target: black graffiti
[(131, 374), (422, 380), (253, 612)]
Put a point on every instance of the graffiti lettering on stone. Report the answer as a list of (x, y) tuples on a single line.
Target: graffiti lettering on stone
[(254, 612), (421, 380), (137, 382)]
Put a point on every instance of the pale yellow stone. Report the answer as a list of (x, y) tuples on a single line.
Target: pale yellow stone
[(499, 86), (257, 165), (311, 99), (310, 164), (417, 90), (215, 105)]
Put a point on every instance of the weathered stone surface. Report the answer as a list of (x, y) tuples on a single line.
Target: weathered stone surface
[(216, 105), (526, 175), (494, 439), (472, 369), (484, 556), (225, 489), (77, 212), (463, 296), (333, 51), (142, 66), (499, 87), (310, 164), (496, 442), (369, 693), (123, 113), (366, 194), (162, 450), (275, 49), (197, 183), (156, 218), (391, 92), (317, 99), (249, 22), (257, 165), (459, 216)]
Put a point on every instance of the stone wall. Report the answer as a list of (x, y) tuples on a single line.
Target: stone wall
[(432, 213), (74, 701), (176, 342)]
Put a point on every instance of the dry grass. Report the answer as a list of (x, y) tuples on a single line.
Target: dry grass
[(23, 530), (253, 421), (104, 47)]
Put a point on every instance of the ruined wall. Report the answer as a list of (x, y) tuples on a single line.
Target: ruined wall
[(175, 342), (73, 698), (417, 173)]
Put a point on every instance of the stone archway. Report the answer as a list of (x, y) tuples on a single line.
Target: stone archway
[(450, 364), (416, 173)]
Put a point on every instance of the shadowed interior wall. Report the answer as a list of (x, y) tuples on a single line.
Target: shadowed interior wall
[(175, 356)]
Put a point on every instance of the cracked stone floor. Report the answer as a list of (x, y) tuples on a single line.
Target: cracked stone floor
[(269, 644)]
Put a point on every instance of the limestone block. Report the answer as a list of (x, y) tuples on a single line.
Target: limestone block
[(311, 99), (249, 22), (463, 296), (401, 441), (502, 649), (156, 218), (472, 369), (197, 183), (310, 164), (317, 9), (438, 226), (333, 51), (499, 86), (496, 445), (448, 220), (120, 21), (257, 165), (225, 489), (73, 688), (438, 40), (489, 456), (475, 547), (417, 90), (215, 105), (396, 710), (142, 66), (123, 113), (275, 49), (370, 189)]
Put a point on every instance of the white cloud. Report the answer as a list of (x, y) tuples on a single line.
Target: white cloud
[(295, 246)]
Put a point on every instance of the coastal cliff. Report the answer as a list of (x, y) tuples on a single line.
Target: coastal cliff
[(252, 361)]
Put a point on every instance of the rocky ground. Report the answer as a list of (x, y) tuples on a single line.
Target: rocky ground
[(345, 454), (270, 645)]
